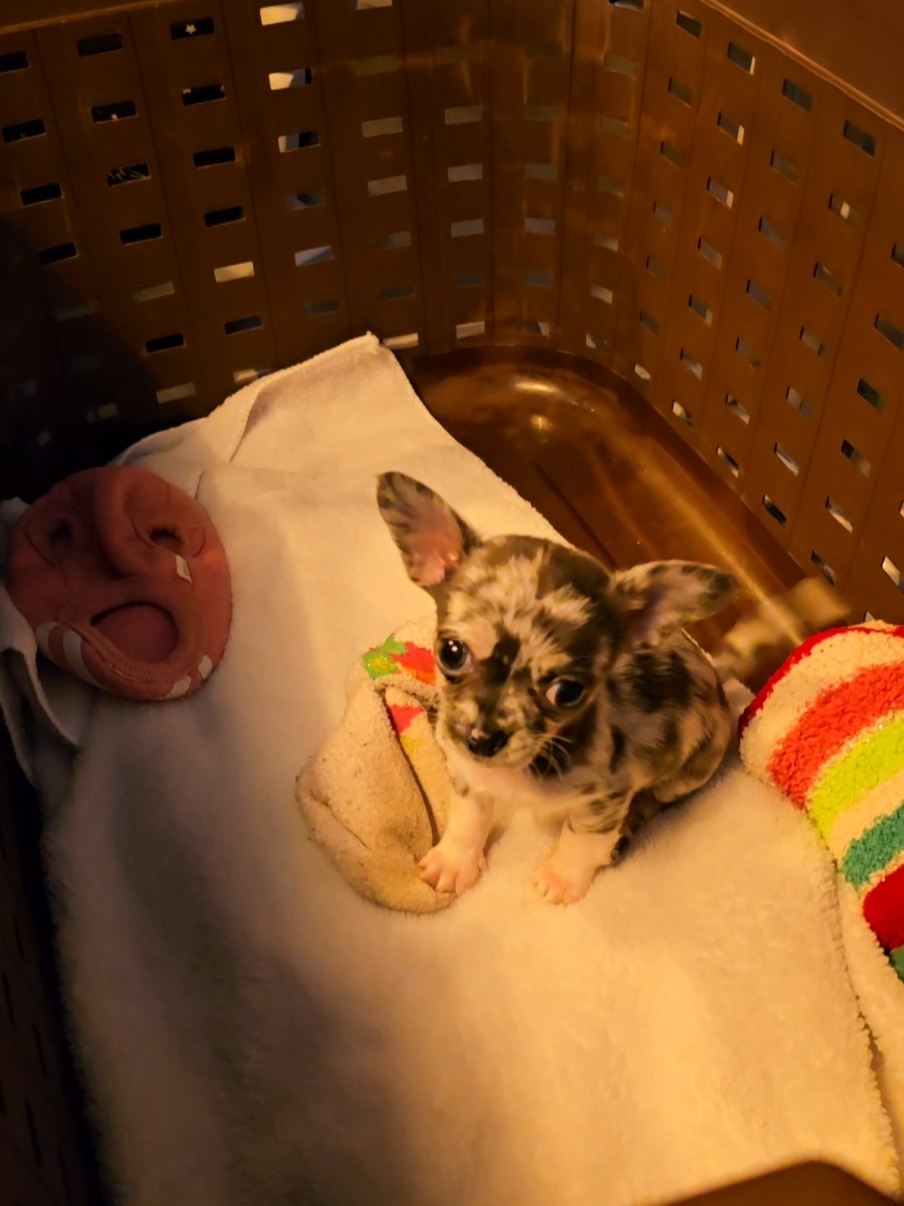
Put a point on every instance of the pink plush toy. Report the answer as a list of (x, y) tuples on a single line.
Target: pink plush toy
[(124, 581)]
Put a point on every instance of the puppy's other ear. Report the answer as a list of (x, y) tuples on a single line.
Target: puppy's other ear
[(432, 539), (661, 596)]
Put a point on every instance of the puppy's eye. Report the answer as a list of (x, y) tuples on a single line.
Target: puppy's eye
[(453, 656), (565, 693)]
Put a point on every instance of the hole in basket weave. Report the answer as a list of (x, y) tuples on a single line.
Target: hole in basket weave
[(827, 572), (812, 341), (893, 334), (787, 459), (857, 459), (118, 111), (141, 234), (797, 95), (737, 409), (785, 167), (872, 396), (655, 268), (684, 415), (220, 217), (151, 292), (741, 58), (233, 272), (281, 14), (828, 279), (608, 184), (43, 192), (839, 514), (24, 129), (768, 231), (215, 155), (200, 27), (688, 23), (55, 255), (464, 171), (203, 94), (164, 343), (671, 154), (305, 200), (859, 138), (280, 81), (313, 255), (759, 295), (681, 91), (709, 252), (15, 60), (776, 512), (889, 568), (398, 238), (721, 192), (746, 352), (701, 309), (733, 129), (99, 44), (298, 142), (843, 210), (387, 184), (466, 329), (798, 402), (236, 326)]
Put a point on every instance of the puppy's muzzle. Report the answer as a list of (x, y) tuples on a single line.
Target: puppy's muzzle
[(486, 745)]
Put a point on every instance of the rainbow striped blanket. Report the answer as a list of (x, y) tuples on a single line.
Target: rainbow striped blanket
[(828, 731)]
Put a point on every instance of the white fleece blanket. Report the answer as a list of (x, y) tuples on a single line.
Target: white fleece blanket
[(253, 1032)]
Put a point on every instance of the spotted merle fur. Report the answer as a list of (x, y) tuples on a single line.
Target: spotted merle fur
[(641, 720)]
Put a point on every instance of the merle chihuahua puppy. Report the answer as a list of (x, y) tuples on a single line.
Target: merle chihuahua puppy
[(561, 687)]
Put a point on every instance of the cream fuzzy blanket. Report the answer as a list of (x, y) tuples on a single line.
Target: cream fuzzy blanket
[(376, 796), (254, 1032)]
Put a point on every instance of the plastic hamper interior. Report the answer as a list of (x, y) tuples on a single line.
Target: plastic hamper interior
[(704, 200)]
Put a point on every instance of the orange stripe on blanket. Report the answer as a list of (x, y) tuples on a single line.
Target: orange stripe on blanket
[(832, 720), (802, 651)]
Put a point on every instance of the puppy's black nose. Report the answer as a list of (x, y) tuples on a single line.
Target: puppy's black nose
[(486, 745)]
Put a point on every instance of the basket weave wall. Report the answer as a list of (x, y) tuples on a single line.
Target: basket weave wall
[(195, 193), (709, 203)]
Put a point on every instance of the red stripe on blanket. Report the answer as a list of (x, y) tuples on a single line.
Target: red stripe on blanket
[(403, 716), (798, 655), (836, 716), (883, 909)]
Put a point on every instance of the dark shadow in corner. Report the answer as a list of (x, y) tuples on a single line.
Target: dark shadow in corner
[(72, 395)]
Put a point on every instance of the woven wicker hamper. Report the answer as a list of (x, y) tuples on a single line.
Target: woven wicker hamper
[(705, 200)]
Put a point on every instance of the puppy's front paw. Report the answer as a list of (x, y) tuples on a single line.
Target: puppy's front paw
[(452, 868), (559, 884)]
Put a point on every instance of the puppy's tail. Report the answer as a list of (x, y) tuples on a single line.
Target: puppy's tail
[(757, 645)]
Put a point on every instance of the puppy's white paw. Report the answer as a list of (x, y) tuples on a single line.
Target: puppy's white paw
[(559, 884), (452, 868)]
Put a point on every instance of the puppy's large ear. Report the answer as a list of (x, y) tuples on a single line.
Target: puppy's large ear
[(432, 539), (661, 596)]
